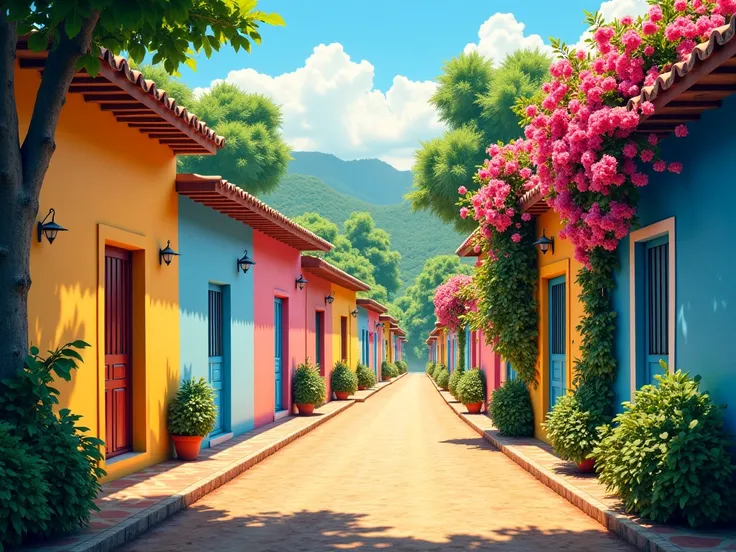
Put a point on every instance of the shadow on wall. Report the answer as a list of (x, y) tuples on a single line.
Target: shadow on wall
[(203, 528)]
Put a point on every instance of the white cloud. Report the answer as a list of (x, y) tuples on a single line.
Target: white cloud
[(500, 35), (330, 105)]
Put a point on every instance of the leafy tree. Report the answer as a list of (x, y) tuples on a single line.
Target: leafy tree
[(174, 31), (255, 157), (375, 244), (174, 87), (476, 101), (416, 307), (323, 227)]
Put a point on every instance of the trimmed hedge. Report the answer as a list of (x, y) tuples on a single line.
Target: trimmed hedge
[(343, 379), (471, 388), (309, 386), (366, 376), (510, 409)]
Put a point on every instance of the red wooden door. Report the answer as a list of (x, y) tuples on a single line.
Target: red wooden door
[(118, 371)]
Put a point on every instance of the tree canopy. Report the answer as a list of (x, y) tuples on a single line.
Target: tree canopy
[(416, 306), (475, 99)]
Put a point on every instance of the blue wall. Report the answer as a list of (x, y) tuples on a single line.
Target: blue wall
[(363, 336), (702, 200), (210, 243)]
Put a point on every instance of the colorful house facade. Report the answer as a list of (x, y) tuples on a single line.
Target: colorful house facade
[(103, 280), (370, 311), (387, 338)]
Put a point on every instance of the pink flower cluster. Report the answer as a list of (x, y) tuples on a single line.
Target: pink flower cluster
[(449, 306)]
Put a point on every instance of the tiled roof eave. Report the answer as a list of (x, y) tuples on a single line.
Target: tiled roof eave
[(327, 271)]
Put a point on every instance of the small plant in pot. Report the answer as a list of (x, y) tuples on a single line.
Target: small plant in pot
[(387, 370), (192, 415), (309, 388), (471, 390), (344, 381), (572, 432), (366, 377)]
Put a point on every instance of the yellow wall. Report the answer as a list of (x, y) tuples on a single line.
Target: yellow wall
[(552, 265), (388, 341), (108, 184), (343, 305)]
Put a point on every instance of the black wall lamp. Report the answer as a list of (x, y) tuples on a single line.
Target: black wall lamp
[(167, 254), (544, 243), (49, 229), (301, 282), (245, 262), (354, 313), (378, 325), (329, 298)]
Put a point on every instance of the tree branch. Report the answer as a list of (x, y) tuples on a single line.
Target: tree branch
[(9, 139), (59, 70)]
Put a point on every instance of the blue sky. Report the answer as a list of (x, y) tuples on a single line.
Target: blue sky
[(354, 78)]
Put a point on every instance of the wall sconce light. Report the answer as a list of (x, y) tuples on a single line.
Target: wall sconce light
[(245, 262), (167, 254), (49, 229), (329, 298), (354, 313), (378, 325), (544, 243), (301, 282)]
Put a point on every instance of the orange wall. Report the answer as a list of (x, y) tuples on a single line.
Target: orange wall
[(108, 184), (552, 265)]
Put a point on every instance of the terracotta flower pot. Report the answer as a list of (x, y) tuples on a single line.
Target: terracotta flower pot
[(474, 408), (587, 465), (187, 446), (362, 388), (386, 378), (342, 395), (305, 408)]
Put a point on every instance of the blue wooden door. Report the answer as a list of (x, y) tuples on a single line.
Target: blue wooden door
[(557, 339), (278, 329), (216, 358), (656, 307), (510, 372), (468, 356)]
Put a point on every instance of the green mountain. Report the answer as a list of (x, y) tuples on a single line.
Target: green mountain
[(417, 236), (371, 180)]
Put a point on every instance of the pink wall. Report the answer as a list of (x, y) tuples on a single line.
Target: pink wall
[(372, 321), (316, 291), (279, 266), (483, 357)]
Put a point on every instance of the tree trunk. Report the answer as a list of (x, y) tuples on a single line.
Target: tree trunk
[(22, 171)]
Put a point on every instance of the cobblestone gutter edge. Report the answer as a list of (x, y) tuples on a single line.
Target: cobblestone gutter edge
[(636, 535)]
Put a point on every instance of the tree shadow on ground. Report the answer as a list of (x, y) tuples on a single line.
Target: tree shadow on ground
[(203, 528), (472, 443)]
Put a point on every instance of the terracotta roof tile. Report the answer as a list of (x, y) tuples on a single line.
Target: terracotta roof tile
[(387, 318), (371, 305), (221, 195), (466, 248), (327, 271)]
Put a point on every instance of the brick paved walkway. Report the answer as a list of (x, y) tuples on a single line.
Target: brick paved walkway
[(399, 472)]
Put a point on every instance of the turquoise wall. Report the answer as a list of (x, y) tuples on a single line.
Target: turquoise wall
[(210, 243), (363, 333), (702, 201)]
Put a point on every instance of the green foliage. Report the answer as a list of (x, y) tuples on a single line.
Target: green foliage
[(193, 410), (366, 376), (388, 370), (506, 300), (174, 87), (375, 244), (27, 405), (324, 228), (477, 102), (308, 385), (431, 365), (174, 32), (443, 378), (667, 456), (255, 157), (416, 303), (455, 378), (472, 387), (462, 338), (343, 379), (510, 409), (23, 495), (436, 370), (402, 366), (571, 430)]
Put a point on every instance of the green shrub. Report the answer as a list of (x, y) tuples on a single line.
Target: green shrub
[(27, 403), (437, 369), (388, 370), (571, 429), (667, 455), (443, 378), (510, 409), (343, 379), (395, 370), (454, 380), (24, 492), (366, 376), (402, 366), (309, 386), (193, 411), (430, 367), (472, 387)]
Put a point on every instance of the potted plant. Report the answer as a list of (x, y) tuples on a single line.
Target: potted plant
[(443, 379), (344, 381), (455, 378), (571, 431), (309, 388), (366, 377), (192, 415), (471, 390), (511, 411), (386, 370)]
